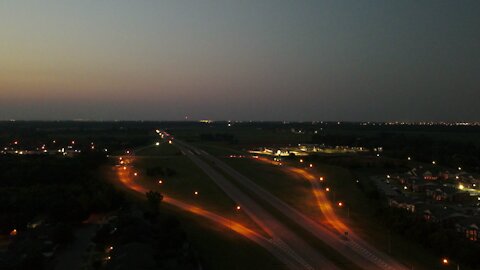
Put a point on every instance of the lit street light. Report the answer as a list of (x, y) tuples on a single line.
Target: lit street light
[(446, 262)]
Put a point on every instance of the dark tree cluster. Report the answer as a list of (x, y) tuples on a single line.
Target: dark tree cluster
[(54, 188), (142, 244)]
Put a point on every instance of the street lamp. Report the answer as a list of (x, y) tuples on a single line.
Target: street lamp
[(341, 204), (446, 262), (238, 208)]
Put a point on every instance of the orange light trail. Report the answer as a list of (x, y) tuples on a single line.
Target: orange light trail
[(125, 177)]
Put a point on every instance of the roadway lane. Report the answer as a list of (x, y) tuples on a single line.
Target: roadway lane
[(362, 255), (281, 235)]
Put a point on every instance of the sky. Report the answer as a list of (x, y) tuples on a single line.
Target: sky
[(280, 60)]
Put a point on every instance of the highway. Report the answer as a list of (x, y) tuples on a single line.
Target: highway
[(280, 234), (274, 245), (355, 249)]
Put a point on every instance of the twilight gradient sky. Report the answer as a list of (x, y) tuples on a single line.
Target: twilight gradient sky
[(240, 60)]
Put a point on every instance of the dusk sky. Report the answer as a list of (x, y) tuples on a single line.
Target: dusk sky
[(240, 60)]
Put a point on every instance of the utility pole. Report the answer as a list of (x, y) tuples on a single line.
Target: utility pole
[(389, 242)]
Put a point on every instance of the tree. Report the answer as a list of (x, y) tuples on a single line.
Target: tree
[(153, 201)]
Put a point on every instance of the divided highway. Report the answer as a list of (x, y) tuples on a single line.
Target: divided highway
[(355, 249), (280, 234), (273, 245)]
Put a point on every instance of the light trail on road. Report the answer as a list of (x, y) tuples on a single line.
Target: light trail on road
[(357, 244), (278, 249), (281, 234)]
